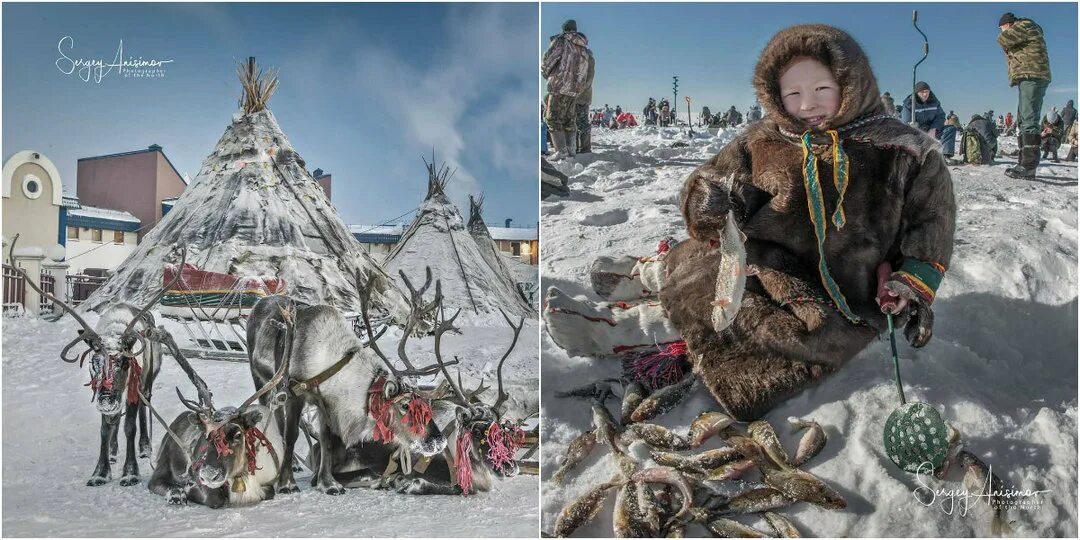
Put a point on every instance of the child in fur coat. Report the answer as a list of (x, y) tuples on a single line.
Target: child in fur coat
[(831, 192)]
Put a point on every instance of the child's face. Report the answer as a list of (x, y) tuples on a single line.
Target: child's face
[(809, 91)]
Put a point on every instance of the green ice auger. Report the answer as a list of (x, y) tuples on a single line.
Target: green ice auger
[(915, 435), (926, 52)]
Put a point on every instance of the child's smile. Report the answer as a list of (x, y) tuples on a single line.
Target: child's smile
[(809, 91)]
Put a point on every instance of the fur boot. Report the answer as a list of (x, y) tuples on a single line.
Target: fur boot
[(618, 279), (586, 329)]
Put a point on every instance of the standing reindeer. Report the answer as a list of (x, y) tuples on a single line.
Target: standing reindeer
[(118, 373), (213, 456), (485, 445), (357, 398)]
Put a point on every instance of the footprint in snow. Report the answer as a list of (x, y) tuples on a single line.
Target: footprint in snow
[(606, 219)]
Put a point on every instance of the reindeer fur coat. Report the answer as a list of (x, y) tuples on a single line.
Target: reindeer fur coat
[(899, 205)]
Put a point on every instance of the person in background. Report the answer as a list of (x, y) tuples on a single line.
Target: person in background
[(734, 117), (1024, 46), (948, 135), (923, 111), (888, 101), (1052, 131), (566, 66), (1068, 114), (581, 108), (1072, 143), (984, 130)]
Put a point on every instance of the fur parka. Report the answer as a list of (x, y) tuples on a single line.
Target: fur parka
[(899, 205)]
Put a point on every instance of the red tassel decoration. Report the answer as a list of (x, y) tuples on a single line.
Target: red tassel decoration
[(463, 462)]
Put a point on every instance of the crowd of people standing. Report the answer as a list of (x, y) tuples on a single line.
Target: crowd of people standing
[(569, 68), (1024, 46)]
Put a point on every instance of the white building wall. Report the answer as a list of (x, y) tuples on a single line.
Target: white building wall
[(86, 253)]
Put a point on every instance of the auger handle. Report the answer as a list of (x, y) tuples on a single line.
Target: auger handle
[(895, 359)]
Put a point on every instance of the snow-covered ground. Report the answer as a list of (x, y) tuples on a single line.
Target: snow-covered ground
[(50, 446), (1002, 365)]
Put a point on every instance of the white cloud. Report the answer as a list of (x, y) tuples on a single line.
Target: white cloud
[(450, 104)]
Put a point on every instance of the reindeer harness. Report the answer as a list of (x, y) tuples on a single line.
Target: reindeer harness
[(301, 387)]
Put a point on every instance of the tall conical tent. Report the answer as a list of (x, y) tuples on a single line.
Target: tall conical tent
[(482, 236), (438, 238), (254, 210)]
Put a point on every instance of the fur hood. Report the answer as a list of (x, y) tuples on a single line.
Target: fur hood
[(831, 46)]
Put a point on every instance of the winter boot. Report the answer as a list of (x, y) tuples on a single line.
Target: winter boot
[(571, 143), (558, 139), (584, 142), (584, 329), (613, 279), (1029, 157)]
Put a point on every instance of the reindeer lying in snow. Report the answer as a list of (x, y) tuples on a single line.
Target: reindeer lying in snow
[(216, 456), (357, 398), (121, 377), (485, 443)]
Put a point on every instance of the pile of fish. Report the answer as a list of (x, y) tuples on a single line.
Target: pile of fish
[(706, 487), (682, 488)]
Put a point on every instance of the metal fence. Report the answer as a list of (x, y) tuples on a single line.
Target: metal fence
[(81, 286), (48, 284), (14, 289)]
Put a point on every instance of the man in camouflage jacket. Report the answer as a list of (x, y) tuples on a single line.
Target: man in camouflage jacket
[(566, 66), (1029, 69)]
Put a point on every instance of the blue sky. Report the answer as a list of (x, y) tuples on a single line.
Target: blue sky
[(713, 48), (365, 90)]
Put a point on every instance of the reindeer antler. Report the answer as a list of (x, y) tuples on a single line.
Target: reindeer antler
[(179, 442), (289, 327), (442, 324), (417, 311), (161, 335), (517, 331), (88, 331)]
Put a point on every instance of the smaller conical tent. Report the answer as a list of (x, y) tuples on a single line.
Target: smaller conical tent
[(254, 210), (482, 236), (438, 238)]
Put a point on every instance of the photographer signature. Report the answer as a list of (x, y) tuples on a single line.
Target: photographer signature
[(961, 500), (97, 68)]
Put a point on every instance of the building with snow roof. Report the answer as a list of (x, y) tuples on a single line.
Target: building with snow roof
[(519, 242), (98, 239), (135, 182), (377, 240)]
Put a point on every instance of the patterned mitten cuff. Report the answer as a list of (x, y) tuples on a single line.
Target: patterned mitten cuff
[(917, 280)]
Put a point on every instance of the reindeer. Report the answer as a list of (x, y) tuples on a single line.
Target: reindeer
[(357, 399), (213, 456), (488, 442), (120, 376), (485, 445)]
